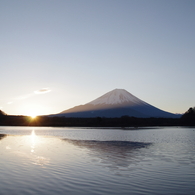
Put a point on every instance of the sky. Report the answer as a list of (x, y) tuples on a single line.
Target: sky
[(57, 54)]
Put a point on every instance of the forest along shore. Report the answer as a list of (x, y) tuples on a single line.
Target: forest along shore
[(124, 121)]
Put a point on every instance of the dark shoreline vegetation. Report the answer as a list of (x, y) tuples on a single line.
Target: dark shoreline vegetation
[(124, 121), (187, 119)]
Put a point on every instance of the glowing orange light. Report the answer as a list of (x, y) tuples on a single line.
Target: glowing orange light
[(33, 116)]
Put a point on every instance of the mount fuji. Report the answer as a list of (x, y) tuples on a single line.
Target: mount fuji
[(116, 103)]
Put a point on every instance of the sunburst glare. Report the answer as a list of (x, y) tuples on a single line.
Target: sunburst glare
[(33, 116)]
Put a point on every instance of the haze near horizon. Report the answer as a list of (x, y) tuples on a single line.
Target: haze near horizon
[(59, 54)]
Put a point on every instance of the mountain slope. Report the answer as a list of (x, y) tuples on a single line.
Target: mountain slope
[(116, 103), (117, 96)]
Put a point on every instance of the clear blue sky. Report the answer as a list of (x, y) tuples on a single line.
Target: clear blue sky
[(56, 54)]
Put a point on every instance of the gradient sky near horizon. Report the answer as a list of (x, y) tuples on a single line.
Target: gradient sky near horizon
[(56, 54)]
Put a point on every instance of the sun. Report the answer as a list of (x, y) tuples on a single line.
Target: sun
[(33, 116)]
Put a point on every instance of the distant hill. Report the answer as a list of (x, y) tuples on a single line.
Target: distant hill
[(190, 112), (116, 103), (2, 113), (188, 118)]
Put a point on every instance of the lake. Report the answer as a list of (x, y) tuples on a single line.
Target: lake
[(51, 160)]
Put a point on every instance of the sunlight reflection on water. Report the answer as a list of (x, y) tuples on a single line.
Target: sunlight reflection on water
[(33, 140), (95, 161)]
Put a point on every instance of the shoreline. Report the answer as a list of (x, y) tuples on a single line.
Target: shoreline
[(99, 122)]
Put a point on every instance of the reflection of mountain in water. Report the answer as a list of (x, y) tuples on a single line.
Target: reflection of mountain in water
[(117, 155), (2, 136)]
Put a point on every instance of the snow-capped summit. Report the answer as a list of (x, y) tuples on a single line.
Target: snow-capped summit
[(116, 103), (117, 96)]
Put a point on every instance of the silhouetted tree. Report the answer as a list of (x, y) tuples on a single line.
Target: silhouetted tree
[(188, 118), (2, 113)]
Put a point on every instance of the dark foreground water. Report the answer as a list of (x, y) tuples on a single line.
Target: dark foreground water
[(49, 161)]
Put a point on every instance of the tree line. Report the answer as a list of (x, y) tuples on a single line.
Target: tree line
[(124, 121), (187, 119)]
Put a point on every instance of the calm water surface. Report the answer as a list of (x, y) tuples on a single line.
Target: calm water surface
[(47, 161)]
